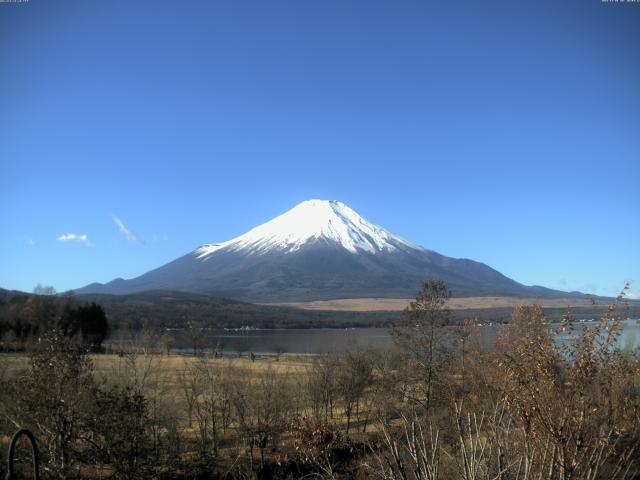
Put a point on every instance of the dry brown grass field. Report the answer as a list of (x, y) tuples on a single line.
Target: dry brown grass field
[(440, 401), (164, 371), (164, 381), (398, 304)]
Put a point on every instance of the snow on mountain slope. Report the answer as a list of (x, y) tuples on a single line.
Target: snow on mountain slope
[(313, 220)]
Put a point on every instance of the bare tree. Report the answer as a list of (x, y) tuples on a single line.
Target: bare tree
[(190, 389), (421, 338), (212, 402), (355, 376), (195, 333), (322, 385), (262, 410)]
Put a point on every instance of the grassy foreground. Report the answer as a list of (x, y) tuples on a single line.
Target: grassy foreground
[(440, 405)]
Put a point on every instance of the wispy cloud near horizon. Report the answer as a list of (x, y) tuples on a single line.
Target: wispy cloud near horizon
[(129, 234), (72, 237)]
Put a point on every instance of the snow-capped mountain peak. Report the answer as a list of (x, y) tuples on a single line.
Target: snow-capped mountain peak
[(318, 250), (312, 220)]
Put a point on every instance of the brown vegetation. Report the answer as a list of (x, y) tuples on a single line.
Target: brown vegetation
[(441, 405)]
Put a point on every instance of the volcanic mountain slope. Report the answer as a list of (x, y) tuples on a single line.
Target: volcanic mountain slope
[(316, 251)]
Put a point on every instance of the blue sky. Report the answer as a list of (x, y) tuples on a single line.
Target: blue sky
[(507, 132)]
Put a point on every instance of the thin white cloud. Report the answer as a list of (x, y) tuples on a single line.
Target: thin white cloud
[(129, 234), (28, 240), (72, 237), (160, 237)]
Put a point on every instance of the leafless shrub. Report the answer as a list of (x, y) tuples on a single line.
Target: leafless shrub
[(408, 453), (53, 398), (116, 432), (575, 403)]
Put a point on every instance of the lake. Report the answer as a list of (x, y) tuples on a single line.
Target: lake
[(320, 340)]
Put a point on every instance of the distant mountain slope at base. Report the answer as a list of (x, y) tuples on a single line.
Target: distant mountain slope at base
[(167, 309), (175, 309), (454, 303)]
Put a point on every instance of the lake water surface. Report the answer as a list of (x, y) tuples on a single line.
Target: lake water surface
[(320, 340)]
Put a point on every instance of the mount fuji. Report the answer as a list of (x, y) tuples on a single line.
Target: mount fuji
[(319, 250)]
